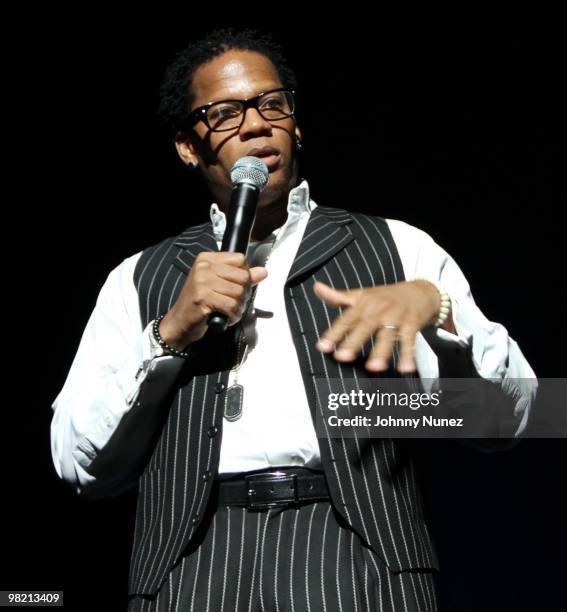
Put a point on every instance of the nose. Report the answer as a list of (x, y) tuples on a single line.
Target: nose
[(254, 124)]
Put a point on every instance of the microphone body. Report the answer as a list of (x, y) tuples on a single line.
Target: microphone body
[(241, 217), (249, 176)]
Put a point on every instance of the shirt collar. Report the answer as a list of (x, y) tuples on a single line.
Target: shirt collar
[(298, 202)]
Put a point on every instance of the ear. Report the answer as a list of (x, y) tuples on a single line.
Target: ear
[(186, 149), (297, 133)]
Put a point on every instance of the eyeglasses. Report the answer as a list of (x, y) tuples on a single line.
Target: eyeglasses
[(228, 115)]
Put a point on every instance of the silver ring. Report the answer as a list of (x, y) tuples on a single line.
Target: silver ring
[(390, 326)]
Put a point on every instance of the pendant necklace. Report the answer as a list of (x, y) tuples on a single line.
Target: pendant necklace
[(235, 393)]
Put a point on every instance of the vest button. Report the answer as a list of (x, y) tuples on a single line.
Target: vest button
[(206, 475), (212, 431), (195, 519), (220, 387)]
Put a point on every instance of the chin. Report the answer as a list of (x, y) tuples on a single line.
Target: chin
[(274, 190)]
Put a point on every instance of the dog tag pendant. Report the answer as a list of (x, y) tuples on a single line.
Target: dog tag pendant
[(233, 402)]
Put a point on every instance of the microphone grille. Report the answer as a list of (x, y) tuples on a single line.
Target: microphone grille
[(250, 170)]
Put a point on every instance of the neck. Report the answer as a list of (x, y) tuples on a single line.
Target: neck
[(269, 217)]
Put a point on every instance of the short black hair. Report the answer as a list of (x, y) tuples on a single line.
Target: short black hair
[(176, 95)]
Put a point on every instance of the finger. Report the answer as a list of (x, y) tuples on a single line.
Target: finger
[(338, 330), (407, 350), (223, 257), (335, 297), (231, 273), (352, 343), (379, 359), (224, 287), (257, 274), (226, 305), (232, 259)]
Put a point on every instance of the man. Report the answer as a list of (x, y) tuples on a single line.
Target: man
[(240, 506)]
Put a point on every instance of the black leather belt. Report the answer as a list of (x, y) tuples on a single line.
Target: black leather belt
[(269, 489)]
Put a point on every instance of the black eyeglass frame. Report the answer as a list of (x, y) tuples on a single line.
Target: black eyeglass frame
[(200, 114)]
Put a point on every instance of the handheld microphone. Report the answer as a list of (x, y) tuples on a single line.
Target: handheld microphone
[(249, 176)]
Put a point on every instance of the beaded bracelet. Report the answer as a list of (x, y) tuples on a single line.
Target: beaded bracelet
[(445, 307), (164, 345)]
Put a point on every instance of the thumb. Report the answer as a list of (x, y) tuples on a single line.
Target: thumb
[(257, 274), (335, 297)]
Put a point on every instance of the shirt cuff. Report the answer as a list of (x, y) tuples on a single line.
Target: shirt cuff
[(137, 365), (454, 352)]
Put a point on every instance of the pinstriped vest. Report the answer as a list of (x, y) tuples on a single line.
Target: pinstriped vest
[(372, 481)]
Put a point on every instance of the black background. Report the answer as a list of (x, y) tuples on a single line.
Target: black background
[(451, 124)]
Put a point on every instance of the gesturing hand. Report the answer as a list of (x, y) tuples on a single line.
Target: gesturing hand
[(404, 308)]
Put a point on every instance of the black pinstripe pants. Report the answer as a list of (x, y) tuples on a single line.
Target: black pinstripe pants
[(302, 559)]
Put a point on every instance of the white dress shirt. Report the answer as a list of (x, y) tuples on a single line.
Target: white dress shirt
[(116, 355)]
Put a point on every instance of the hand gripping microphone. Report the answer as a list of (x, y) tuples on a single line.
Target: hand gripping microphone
[(249, 176)]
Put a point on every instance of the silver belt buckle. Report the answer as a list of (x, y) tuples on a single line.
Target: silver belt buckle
[(261, 486)]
